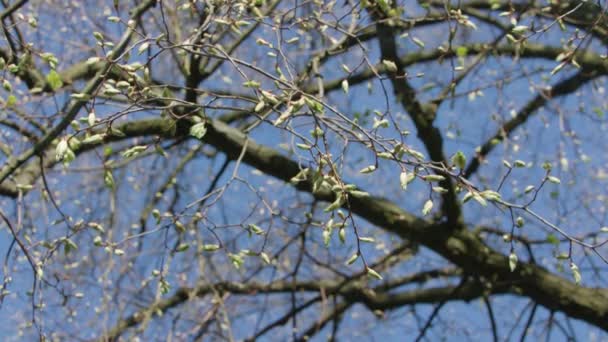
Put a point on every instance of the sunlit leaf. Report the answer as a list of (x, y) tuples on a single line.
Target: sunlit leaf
[(428, 206), (512, 261)]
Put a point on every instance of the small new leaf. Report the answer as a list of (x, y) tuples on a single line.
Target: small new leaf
[(182, 247), (134, 151), (352, 259), (108, 179), (61, 149), (143, 47), (512, 261), (428, 206), (433, 178), (198, 130), (368, 169), (459, 160), (477, 197), (373, 273), (336, 204), (404, 180), (211, 247), (575, 273), (389, 65)]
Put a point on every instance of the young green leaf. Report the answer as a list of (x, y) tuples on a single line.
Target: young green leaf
[(404, 180), (519, 163), (389, 65), (459, 160), (182, 247), (143, 47), (368, 169), (134, 151), (433, 178), (326, 237), (428, 206), (265, 258), (345, 86), (91, 118), (373, 273), (61, 149), (512, 261), (255, 229), (198, 130), (108, 179), (477, 197), (342, 234), (340, 199), (210, 247), (352, 259), (575, 273)]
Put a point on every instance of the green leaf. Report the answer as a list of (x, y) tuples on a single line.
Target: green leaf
[(11, 101), (54, 80), (477, 197), (459, 160), (108, 179), (490, 195), (367, 239), (352, 259), (326, 237), (404, 180), (61, 149), (252, 84), (575, 273), (462, 51), (519, 163), (433, 178), (93, 139), (418, 42), (68, 246), (255, 229), (373, 274), (368, 169), (182, 247), (143, 47), (134, 151), (552, 239), (345, 86), (428, 206), (340, 200), (179, 227), (389, 65), (265, 258), (198, 130), (210, 247), (512, 261), (342, 234), (7, 85)]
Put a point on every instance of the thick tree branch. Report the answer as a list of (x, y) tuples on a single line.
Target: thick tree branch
[(423, 116), (374, 299), (461, 247)]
